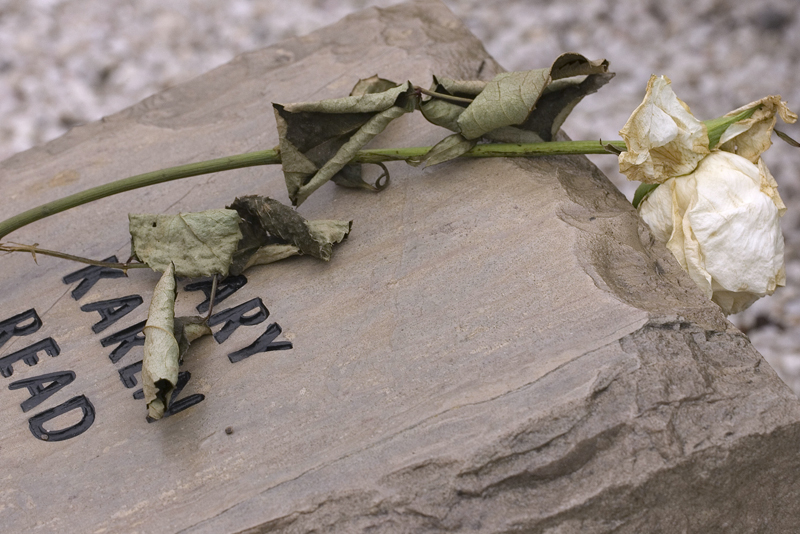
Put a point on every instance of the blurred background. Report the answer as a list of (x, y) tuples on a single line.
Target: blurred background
[(68, 62)]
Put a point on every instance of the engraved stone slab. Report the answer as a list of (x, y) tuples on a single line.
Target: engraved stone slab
[(498, 346)]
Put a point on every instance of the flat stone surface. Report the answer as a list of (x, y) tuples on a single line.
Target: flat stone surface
[(498, 346)]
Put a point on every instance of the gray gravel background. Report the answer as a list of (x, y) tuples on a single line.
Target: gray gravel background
[(67, 62)]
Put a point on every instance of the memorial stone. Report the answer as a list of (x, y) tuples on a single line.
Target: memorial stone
[(498, 346)]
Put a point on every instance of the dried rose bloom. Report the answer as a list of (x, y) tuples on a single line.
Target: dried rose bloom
[(718, 211)]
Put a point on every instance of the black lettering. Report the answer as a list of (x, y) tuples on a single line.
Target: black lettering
[(112, 310), (176, 406), (138, 394), (29, 355), (37, 422), (225, 288), (128, 374), (127, 339), (14, 327), (39, 392), (264, 343), (235, 317), (90, 275)]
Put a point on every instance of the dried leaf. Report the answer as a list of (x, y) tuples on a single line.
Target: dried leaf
[(161, 349), (166, 341), (557, 102), (448, 148), (445, 113), (515, 107), (198, 244), (372, 85), (510, 98), (350, 176), (274, 231), (318, 139), (462, 88), (269, 254), (188, 329), (786, 139)]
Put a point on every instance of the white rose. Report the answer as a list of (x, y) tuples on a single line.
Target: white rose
[(722, 223), (717, 207), (664, 139)]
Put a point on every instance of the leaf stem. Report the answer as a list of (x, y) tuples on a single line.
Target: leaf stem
[(441, 96), (269, 157), (34, 250)]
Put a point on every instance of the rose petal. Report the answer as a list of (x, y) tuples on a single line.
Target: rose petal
[(664, 139), (722, 224)]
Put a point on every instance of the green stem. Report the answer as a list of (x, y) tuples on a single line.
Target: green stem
[(264, 157), (496, 150), (269, 157)]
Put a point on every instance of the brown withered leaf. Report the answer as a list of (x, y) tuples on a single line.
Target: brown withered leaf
[(273, 231), (318, 139)]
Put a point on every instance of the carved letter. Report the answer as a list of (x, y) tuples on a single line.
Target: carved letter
[(128, 374), (128, 338), (29, 355), (112, 310), (235, 317), (89, 276), (176, 406), (264, 343), (37, 422), (225, 289), (39, 392), (14, 327)]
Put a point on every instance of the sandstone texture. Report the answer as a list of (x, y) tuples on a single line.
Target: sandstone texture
[(499, 345)]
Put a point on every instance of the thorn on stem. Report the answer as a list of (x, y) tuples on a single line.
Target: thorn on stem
[(611, 148)]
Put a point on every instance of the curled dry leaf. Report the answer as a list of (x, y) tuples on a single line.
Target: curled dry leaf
[(274, 231), (445, 113), (350, 176), (373, 84), (319, 139), (166, 341), (188, 329), (198, 244), (515, 107), (161, 351)]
